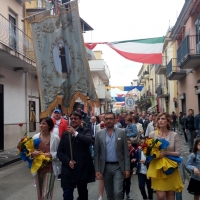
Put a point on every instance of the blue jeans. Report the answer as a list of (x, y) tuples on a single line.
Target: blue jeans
[(190, 135), (178, 195)]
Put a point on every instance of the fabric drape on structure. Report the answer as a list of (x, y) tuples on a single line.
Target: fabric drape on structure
[(62, 64)]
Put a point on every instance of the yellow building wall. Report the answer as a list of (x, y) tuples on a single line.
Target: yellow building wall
[(98, 54)]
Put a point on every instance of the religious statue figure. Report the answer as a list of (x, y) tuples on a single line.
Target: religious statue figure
[(62, 56)]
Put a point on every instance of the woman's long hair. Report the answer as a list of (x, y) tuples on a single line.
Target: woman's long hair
[(195, 149), (169, 120)]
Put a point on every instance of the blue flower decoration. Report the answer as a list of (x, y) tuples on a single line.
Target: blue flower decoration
[(164, 144), (169, 171), (36, 142)]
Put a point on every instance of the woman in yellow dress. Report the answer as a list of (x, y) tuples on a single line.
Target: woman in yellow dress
[(165, 185)]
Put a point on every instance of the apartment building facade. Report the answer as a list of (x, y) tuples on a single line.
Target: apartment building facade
[(18, 83), (186, 36), (147, 98), (167, 81)]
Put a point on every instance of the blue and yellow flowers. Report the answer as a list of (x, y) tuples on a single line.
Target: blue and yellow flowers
[(159, 166), (26, 146)]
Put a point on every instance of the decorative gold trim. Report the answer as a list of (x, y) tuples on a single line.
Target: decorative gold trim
[(59, 100)]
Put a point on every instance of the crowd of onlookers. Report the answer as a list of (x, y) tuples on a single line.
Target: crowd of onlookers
[(139, 126), (110, 147)]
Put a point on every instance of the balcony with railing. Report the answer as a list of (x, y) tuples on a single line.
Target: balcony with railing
[(146, 74), (100, 67), (15, 46), (143, 80), (161, 68), (161, 91), (173, 72), (36, 6), (188, 53)]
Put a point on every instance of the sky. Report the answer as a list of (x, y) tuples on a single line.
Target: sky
[(117, 20)]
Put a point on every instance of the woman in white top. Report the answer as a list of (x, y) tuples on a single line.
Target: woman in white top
[(47, 145)]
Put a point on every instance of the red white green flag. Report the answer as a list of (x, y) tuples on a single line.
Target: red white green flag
[(143, 51)]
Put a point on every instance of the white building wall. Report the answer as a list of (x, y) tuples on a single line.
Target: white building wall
[(15, 9), (16, 105), (97, 81)]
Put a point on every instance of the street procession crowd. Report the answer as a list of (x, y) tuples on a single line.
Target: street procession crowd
[(113, 147)]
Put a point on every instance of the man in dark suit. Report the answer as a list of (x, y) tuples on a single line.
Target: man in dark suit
[(144, 121), (111, 158), (93, 125), (78, 170)]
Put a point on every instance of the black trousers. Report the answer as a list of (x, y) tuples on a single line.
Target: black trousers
[(127, 185), (82, 192), (185, 135), (142, 181)]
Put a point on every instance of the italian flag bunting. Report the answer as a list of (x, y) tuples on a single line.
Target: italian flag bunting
[(143, 51)]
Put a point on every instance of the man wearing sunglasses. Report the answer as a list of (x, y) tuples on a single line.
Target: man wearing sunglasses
[(111, 158), (78, 169)]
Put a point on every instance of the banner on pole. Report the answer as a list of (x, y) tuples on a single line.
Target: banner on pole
[(62, 64), (129, 103)]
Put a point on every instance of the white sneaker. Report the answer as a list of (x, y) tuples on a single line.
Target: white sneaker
[(134, 170), (100, 198)]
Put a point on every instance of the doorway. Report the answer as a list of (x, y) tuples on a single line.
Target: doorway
[(1, 117), (183, 102)]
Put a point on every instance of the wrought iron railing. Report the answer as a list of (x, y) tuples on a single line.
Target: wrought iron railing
[(15, 39), (161, 89), (189, 45), (172, 67)]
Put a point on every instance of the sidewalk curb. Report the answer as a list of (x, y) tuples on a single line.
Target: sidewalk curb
[(10, 162)]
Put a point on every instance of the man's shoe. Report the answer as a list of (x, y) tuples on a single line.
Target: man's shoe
[(59, 177), (128, 197), (100, 198)]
